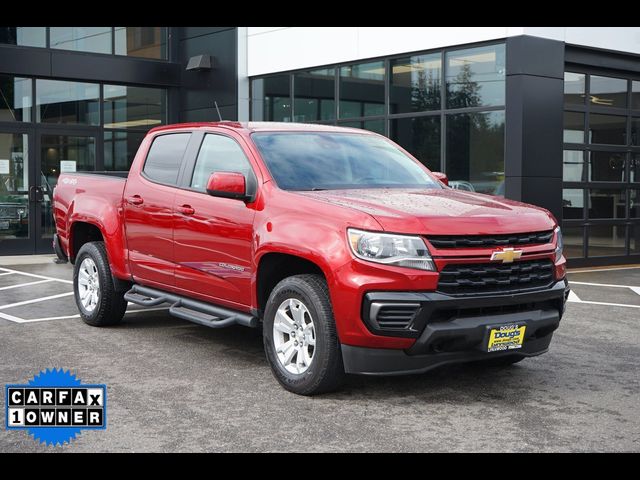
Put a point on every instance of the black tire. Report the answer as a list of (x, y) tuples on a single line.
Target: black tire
[(111, 305), (325, 372), (503, 361)]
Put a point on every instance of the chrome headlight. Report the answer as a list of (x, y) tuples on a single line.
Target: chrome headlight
[(559, 244), (390, 249)]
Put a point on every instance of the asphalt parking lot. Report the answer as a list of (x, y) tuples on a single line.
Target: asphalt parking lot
[(176, 386)]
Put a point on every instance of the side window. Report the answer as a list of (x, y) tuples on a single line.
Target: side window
[(218, 154), (165, 156)]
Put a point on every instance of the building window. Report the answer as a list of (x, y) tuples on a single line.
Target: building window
[(608, 91), (145, 42), (475, 151), (421, 137), (24, 36), (415, 83), (600, 170), (376, 126), (81, 39), (271, 99), (67, 102), (476, 77), (15, 99), (572, 165), (314, 95), (133, 107), (120, 148), (362, 90), (574, 88)]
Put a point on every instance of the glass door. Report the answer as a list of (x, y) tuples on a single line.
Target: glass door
[(60, 152), (17, 208)]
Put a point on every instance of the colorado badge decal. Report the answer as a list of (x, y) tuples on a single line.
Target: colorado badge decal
[(55, 406)]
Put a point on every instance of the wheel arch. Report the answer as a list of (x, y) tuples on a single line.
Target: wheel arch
[(275, 266)]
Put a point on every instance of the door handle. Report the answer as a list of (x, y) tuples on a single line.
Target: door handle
[(36, 194), (186, 209), (135, 200)]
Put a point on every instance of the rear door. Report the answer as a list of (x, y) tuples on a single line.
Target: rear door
[(213, 236), (148, 208)]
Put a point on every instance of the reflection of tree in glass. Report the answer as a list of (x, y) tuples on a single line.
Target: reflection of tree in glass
[(425, 92), (462, 91), (425, 132), (475, 149)]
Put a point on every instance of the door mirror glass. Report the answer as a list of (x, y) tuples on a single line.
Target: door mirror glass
[(441, 176), (227, 185)]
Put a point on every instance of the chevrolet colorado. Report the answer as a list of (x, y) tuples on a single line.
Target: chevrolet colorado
[(349, 254)]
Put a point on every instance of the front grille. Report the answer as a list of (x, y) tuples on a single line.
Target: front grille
[(481, 278), (396, 316), (461, 241), (9, 212)]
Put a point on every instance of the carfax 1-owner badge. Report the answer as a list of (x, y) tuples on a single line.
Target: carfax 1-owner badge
[(55, 406)]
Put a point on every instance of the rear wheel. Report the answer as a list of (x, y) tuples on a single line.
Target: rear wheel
[(300, 338), (98, 302)]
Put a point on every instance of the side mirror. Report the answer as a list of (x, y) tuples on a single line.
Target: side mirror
[(441, 176), (227, 185)]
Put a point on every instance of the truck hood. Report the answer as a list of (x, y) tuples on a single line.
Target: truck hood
[(440, 211)]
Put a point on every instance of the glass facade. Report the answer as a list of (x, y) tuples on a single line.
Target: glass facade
[(24, 36), (601, 165), (15, 99), (144, 42), (81, 39), (121, 114), (430, 103), (315, 95), (67, 102)]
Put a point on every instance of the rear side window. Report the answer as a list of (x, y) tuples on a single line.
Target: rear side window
[(165, 156), (218, 154)]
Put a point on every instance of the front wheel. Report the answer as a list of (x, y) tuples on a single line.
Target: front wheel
[(98, 302), (300, 338)]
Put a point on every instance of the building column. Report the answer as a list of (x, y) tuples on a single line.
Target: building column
[(534, 122)]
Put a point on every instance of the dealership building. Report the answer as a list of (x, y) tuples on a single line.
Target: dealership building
[(548, 116)]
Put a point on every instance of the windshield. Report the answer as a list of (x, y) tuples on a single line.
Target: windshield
[(327, 161)]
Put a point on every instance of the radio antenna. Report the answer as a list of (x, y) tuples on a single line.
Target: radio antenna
[(218, 110)]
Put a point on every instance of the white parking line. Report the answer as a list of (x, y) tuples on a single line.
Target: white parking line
[(35, 300), (602, 303), (25, 284), (11, 318), (42, 277), (602, 285), (601, 270), (5, 273), (574, 298)]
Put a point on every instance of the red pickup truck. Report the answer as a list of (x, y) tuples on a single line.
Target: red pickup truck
[(349, 254)]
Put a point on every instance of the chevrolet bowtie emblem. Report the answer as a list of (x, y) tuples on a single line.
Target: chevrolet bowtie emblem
[(507, 255)]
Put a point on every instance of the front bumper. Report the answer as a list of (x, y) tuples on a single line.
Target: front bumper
[(453, 330)]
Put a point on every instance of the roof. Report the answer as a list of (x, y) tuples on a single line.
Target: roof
[(263, 127)]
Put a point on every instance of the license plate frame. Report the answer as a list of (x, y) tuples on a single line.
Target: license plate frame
[(501, 338)]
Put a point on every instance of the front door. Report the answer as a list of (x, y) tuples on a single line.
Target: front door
[(213, 236), (17, 192)]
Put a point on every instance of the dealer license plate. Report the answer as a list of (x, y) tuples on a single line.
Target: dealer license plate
[(4, 224), (506, 337)]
